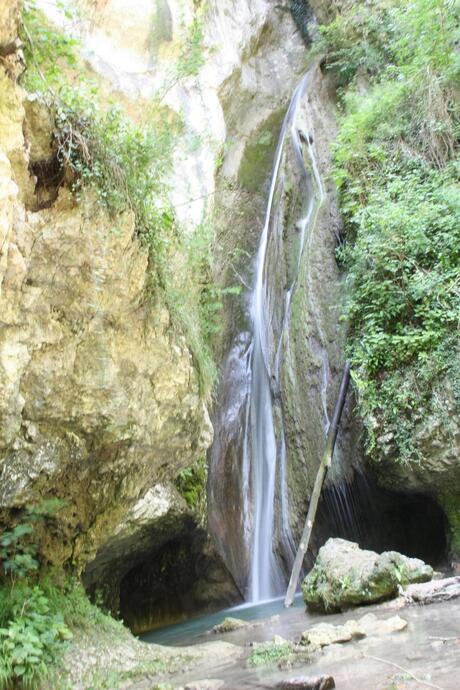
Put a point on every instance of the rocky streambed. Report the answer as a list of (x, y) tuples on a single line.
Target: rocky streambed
[(395, 645), (408, 637)]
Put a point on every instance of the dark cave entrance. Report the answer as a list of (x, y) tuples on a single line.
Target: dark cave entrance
[(182, 578), (383, 520)]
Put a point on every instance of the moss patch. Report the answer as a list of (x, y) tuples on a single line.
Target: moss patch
[(450, 503), (259, 153)]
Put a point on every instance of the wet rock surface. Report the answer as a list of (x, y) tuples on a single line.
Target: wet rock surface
[(432, 592), (230, 624), (307, 683), (205, 684), (325, 634), (422, 641), (345, 575)]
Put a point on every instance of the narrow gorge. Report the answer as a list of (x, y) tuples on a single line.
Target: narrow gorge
[(207, 208)]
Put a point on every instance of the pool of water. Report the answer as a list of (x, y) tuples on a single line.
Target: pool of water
[(194, 630)]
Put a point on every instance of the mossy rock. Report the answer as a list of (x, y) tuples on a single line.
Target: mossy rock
[(345, 575), (230, 624), (258, 154)]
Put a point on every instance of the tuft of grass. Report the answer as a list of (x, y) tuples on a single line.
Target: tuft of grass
[(191, 484), (269, 653)]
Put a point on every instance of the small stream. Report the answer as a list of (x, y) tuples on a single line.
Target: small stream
[(427, 648), (195, 630)]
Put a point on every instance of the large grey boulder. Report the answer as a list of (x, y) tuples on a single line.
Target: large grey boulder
[(345, 575)]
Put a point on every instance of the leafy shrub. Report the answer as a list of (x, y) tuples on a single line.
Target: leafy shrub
[(31, 641), (32, 632), (38, 608), (396, 165), (16, 555), (124, 163), (48, 52), (196, 302), (361, 38)]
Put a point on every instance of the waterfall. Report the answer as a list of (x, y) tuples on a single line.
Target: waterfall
[(265, 496), (248, 493)]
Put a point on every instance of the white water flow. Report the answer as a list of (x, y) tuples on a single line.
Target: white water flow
[(264, 448)]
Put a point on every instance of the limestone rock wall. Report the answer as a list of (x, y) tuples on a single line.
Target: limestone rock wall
[(100, 405), (315, 342), (9, 20), (99, 397)]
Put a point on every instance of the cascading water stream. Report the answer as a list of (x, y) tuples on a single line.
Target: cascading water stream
[(264, 447)]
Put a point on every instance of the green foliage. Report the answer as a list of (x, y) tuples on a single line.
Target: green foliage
[(269, 653), (404, 267), (396, 166), (31, 640), (404, 281), (191, 484), (68, 597), (16, 555), (47, 51), (196, 302), (124, 163), (361, 38), (38, 610), (191, 57), (32, 633), (412, 70)]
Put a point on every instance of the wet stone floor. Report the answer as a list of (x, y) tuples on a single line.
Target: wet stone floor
[(425, 654)]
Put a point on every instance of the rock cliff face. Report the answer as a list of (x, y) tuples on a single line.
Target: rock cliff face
[(100, 403), (312, 338), (99, 397), (437, 439), (9, 22), (264, 82)]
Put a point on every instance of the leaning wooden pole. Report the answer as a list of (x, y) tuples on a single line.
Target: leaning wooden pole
[(321, 475)]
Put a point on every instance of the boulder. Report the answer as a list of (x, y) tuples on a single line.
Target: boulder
[(230, 624), (371, 625), (324, 634), (345, 575)]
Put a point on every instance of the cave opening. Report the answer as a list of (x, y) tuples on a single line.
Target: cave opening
[(384, 520), (183, 578)]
